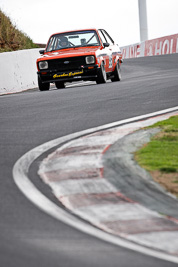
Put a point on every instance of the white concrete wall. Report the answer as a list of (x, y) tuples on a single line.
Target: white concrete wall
[(18, 70)]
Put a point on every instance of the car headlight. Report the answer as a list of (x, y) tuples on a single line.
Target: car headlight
[(43, 65), (90, 60)]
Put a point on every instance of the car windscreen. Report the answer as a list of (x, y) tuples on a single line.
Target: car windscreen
[(72, 39)]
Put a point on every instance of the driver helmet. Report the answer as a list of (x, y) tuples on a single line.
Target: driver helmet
[(63, 41)]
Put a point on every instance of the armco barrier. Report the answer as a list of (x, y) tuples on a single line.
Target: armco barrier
[(18, 70), (159, 46)]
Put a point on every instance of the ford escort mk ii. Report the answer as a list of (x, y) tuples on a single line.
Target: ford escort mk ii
[(83, 55)]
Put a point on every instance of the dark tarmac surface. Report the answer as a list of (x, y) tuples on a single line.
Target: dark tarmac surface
[(28, 237)]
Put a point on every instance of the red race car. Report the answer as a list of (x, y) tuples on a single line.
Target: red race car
[(87, 55)]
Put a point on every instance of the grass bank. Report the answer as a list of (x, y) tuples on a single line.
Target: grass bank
[(11, 39), (160, 155)]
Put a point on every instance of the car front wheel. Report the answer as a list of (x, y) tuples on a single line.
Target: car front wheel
[(43, 86), (117, 73), (101, 76)]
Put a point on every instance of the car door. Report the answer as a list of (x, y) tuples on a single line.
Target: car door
[(108, 50)]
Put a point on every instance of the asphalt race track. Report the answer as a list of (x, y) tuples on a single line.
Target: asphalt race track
[(29, 237)]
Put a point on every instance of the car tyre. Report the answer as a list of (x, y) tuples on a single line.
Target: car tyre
[(117, 73), (43, 86), (101, 76), (60, 85)]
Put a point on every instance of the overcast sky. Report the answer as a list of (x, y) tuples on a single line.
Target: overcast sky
[(40, 18)]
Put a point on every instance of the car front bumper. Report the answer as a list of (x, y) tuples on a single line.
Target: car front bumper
[(85, 73)]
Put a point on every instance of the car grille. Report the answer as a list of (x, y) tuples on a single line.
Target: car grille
[(63, 64)]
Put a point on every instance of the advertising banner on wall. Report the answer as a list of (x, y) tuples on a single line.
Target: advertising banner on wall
[(160, 46)]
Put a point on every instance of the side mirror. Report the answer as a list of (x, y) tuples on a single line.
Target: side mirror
[(106, 44), (41, 52)]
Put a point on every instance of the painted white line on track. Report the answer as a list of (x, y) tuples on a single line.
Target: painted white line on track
[(20, 175), (155, 239)]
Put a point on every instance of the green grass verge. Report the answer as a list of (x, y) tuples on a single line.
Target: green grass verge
[(161, 153)]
